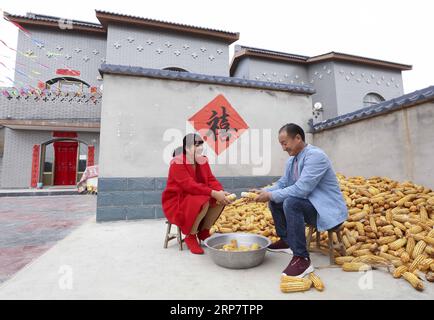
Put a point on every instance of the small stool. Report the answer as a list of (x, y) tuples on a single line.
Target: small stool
[(171, 236), (331, 246)]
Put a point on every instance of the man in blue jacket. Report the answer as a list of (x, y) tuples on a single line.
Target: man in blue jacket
[(307, 193)]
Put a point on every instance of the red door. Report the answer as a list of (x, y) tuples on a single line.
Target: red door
[(65, 171)]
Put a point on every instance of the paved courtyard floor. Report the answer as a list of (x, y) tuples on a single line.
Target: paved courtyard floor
[(29, 226), (126, 260)]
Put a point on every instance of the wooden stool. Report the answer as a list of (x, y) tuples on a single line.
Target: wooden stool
[(331, 246), (171, 236)]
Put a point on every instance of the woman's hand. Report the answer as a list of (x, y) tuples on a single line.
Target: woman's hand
[(220, 197)]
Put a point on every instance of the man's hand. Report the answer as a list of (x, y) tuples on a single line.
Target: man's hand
[(263, 196), (257, 191)]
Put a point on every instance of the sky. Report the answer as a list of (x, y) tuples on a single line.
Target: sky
[(398, 31)]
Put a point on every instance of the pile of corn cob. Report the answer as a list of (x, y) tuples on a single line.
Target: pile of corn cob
[(245, 215), (390, 225)]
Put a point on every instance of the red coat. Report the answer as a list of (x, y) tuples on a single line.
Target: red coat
[(187, 191)]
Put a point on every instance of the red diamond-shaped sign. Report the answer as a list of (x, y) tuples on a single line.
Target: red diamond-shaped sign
[(218, 124)]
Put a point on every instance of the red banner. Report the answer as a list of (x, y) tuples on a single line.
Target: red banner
[(90, 156), (64, 134), (219, 124), (35, 166), (68, 72)]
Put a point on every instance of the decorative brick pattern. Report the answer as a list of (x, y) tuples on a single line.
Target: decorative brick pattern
[(140, 198)]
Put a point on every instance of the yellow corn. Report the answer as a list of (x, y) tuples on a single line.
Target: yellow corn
[(429, 240), (316, 281), (232, 197), (358, 216), (386, 240), (405, 257), (414, 280), (373, 224), (425, 264), (395, 245), (416, 262), (342, 260), (355, 266), (249, 195), (418, 249), (361, 252), (410, 245), (397, 273), (415, 229), (295, 286)]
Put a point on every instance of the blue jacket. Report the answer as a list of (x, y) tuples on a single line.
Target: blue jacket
[(317, 182)]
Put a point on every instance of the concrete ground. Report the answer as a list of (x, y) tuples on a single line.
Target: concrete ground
[(29, 226), (50, 191), (126, 260)]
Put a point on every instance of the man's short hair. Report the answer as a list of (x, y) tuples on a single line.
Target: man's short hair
[(292, 130)]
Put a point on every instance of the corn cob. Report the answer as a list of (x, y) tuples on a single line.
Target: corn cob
[(342, 260), (316, 281), (429, 240), (249, 195), (410, 245), (386, 240), (355, 266), (397, 273), (395, 245), (232, 197), (416, 262), (358, 216), (295, 286), (418, 249), (425, 264), (361, 252), (414, 280), (405, 257)]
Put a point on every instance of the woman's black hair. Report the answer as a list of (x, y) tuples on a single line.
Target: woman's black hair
[(189, 140)]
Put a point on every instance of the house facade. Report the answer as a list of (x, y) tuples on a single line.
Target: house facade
[(51, 134)]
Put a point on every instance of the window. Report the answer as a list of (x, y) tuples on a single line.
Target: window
[(82, 158), (371, 99), (67, 84), (175, 69), (48, 164)]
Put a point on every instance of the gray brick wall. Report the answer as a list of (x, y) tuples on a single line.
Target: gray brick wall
[(140, 198), (69, 41), (162, 49), (340, 86), (31, 109), (17, 159)]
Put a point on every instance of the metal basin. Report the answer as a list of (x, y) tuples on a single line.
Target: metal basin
[(237, 259)]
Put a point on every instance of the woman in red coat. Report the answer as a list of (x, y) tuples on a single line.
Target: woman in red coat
[(193, 198)]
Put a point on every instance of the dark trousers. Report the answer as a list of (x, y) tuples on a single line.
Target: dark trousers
[(290, 218)]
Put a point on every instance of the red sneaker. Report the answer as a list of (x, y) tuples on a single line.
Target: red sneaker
[(192, 244), (203, 234), (298, 267)]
